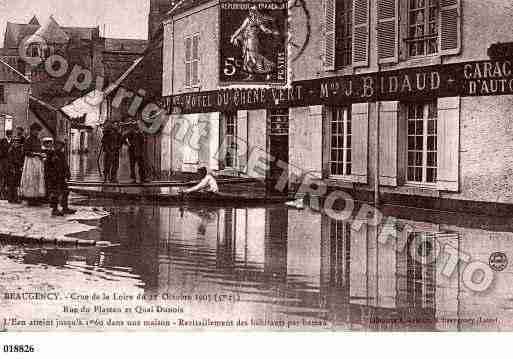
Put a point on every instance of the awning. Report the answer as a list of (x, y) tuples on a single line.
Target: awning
[(90, 104)]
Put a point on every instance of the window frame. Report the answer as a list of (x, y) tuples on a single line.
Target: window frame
[(3, 95), (346, 123), (191, 61), (409, 40), (344, 32), (425, 144), (231, 145)]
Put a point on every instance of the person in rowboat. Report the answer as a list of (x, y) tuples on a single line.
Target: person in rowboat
[(208, 183)]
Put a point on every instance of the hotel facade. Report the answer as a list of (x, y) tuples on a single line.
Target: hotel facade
[(396, 95)]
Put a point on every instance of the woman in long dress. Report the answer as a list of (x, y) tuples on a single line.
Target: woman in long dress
[(33, 177), (248, 37)]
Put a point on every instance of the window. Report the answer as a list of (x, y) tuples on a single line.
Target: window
[(422, 27), (230, 139), (422, 143), (279, 122), (346, 35), (340, 255), (340, 131), (2, 94), (421, 275), (192, 61), (344, 32)]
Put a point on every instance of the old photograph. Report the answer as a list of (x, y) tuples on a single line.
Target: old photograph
[(256, 166)]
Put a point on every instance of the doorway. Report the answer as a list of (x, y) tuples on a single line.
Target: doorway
[(278, 129)]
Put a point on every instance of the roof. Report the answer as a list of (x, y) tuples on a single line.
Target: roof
[(51, 32), (81, 33), (34, 21), (126, 45), (15, 33), (11, 75), (45, 113), (185, 5), (147, 74)]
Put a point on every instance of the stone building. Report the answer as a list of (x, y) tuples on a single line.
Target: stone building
[(83, 48), (398, 97), (14, 98), (192, 139)]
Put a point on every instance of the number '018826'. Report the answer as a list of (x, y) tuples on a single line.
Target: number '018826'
[(8, 348)]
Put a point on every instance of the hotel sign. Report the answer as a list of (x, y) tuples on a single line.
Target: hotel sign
[(483, 78)]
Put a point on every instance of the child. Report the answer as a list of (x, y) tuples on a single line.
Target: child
[(56, 174)]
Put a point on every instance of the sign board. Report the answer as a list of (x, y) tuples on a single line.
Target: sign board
[(481, 78), (253, 38)]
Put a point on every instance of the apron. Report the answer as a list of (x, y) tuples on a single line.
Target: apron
[(33, 178)]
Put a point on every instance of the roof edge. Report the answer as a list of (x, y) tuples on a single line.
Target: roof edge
[(16, 71)]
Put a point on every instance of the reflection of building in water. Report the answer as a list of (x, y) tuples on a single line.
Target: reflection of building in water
[(302, 262), (364, 283)]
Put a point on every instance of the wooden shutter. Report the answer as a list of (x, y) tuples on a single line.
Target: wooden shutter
[(242, 138), (188, 55), (448, 141), (388, 143), (387, 30), (222, 141), (360, 138), (450, 27), (329, 35), (360, 33), (195, 60)]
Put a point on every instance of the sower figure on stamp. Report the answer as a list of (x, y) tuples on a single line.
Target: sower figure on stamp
[(112, 143), (57, 172), (15, 158), (135, 140)]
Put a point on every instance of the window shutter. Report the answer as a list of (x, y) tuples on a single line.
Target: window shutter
[(450, 27), (448, 141), (388, 143), (329, 35), (242, 138), (360, 33), (387, 30), (360, 126), (188, 50), (195, 60), (222, 142)]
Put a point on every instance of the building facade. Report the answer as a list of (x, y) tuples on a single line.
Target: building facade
[(214, 138), (398, 96), (14, 98)]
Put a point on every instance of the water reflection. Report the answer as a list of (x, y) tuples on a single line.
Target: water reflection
[(297, 264)]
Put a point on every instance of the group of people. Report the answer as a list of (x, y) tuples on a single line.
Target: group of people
[(35, 170), (112, 143)]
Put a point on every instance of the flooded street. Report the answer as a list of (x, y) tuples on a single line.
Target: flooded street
[(192, 267), (272, 267)]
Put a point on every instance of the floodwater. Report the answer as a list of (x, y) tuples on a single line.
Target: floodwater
[(272, 268)]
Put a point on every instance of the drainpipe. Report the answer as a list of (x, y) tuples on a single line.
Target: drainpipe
[(376, 158)]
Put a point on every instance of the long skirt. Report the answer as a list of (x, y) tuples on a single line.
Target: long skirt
[(33, 179)]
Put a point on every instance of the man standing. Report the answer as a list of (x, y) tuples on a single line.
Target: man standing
[(56, 174), (5, 143), (15, 159), (135, 140), (111, 145)]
